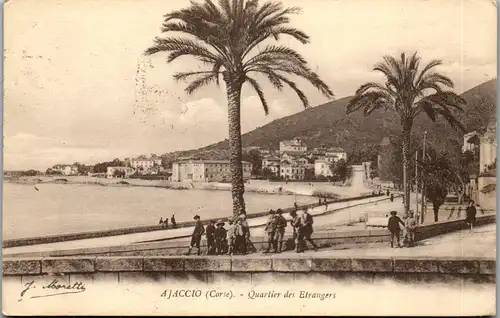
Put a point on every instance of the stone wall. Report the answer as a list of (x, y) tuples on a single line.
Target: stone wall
[(162, 268)]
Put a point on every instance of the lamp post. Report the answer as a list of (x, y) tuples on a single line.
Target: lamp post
[(416, 182), (422, 210)]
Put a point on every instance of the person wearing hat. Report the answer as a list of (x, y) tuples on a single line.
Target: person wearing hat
[(198, 231), (411, 226), (231, 235), (393, 226), (271, 232), (210, 234), (239, 239), (280, 230), (220, 238), (246, 234), (296, 225)]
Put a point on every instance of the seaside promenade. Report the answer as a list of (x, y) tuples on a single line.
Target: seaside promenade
[(348, 212)]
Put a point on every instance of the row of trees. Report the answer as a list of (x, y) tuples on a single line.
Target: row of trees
[(232, 38)]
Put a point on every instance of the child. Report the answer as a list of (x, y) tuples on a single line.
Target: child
[(271, 232), (393, 226), (231, 235), (210, 234), (239, 239), (220, 238)]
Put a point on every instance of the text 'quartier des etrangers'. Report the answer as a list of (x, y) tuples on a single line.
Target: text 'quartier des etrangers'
[(252, 294)]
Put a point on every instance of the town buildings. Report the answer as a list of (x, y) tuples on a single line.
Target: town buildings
[(206, 170), (295, 162), (66, 170), (296, 145), (482, 185), (119, 172), (272, 163), (322, 168), (143, 162), (292, 170)]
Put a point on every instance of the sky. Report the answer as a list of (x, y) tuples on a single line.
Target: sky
[(79, 89)]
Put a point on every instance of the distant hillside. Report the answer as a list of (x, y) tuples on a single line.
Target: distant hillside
[(359, 135)]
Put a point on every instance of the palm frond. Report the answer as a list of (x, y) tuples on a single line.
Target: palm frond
[(436, 79), (369, 102), (259, 91), (432, 64), (179, 47), (200, 82), (185, 75), (274, 52)]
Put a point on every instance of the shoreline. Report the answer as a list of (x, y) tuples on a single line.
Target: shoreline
[(317, 189)]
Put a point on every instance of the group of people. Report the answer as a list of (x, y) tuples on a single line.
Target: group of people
[(236, 238), (302, 226), (164, 223), (233, 240), (410, 225)]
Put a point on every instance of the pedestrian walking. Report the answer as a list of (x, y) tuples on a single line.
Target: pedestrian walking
[(249, 247), (306, 230), (392, 197), (270, 230), (280, 230), (239, 241), (210, 234), (470, 212), (174, 223), (165, 223), (388, 192), (393, 226), (198, 231), (231, 235), (161, 221), (296, 224), (220, 238), (410, 227)]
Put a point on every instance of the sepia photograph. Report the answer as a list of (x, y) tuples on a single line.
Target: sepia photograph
[(249, 157)]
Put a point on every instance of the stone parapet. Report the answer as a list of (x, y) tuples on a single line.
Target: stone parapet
[(249, 264)]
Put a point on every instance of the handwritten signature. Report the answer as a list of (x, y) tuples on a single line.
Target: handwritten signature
[(54, 288)]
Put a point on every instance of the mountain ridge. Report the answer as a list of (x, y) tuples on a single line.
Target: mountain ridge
[(360, 135)]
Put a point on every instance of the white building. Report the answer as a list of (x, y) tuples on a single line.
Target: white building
[(294, 145), (488, 147), (273, 164), (144, 163), (206, 170), (468, 146), (335, 154), (66, 170), (112, 171), (322, 168), (292, 170)]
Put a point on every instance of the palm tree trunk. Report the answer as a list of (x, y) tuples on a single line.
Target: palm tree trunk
[(233, 87), (406, 133)]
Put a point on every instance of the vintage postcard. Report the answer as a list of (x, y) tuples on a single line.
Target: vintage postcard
[(249, 157)]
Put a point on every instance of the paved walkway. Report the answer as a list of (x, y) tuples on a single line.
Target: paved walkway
[(481, 242), (172, 233)]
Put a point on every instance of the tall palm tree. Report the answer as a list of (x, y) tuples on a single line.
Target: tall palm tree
[(409, 91), (226, 38)]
